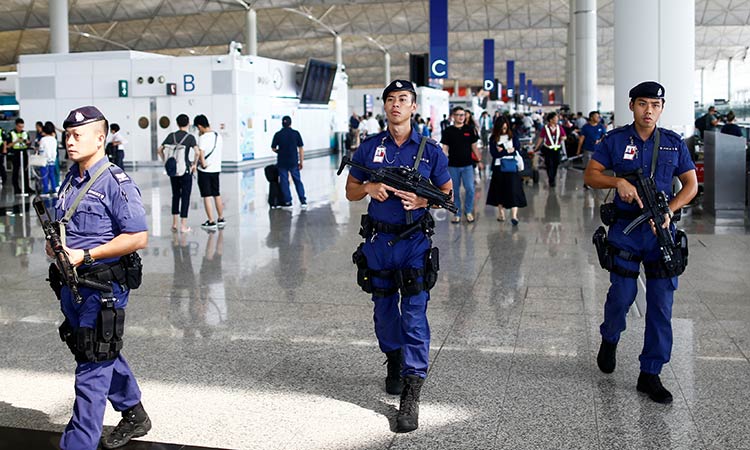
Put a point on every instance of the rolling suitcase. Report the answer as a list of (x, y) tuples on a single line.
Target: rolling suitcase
[(274, 188)]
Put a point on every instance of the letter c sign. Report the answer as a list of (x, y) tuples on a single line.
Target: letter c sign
[(438, 68)]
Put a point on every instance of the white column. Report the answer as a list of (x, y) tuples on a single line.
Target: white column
[(387, 58), (455, 88), (251, 28), (58, 26), (585, 57), (337, 44), (703, 70), (570, 62), (659, 46)]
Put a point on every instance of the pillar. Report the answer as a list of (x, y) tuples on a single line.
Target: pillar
[(251, 28), (58, 26), (570, 62), (666, 53), (387, 58), (337, 44), (585, 57)]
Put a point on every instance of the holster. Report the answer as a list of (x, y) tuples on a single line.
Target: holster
[(55, 280), (431, 267), (607, 252), (133, 267), (657, 269)]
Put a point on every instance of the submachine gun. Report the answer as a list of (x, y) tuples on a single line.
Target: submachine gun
[(655, 206), (405, 179), (66, 271)]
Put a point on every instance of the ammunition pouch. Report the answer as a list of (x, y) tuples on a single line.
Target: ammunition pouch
[(608, 213), (405, 280), (127, 271), (607, 252), (100, 344), (55, 280), (657, 269)]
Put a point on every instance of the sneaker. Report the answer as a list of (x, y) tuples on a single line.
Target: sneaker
[(470, 217), (286, 205), (303, 205), (220, 223), (650, 384), (514, 222), (209, 225), (456, 219)]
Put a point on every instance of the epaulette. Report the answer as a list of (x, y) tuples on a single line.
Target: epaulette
[(371, 136), (617, 130), (670, 133), (118, 174)]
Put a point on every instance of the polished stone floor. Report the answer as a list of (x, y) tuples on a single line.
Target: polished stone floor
[(256, 337)]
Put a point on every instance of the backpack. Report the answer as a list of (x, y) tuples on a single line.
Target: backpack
[(700, 123), (177, 157)]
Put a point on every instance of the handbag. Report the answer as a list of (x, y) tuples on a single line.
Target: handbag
[(474, 157), (37, 160), (508, 165)]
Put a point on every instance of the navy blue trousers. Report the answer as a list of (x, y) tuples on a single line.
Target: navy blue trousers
[(657, 342), (401, 322), (96, 382)]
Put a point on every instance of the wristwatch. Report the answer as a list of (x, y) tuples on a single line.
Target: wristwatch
[(87, 259)]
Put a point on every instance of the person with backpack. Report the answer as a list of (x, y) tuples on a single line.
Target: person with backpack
[(178, 153), (209, 167)]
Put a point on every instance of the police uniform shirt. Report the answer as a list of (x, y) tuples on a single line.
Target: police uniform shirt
[(623, 151), (287, 140), (112, 206), (459, 142), (381, 151)]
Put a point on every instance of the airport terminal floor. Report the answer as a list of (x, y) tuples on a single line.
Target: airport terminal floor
[(257, 336)]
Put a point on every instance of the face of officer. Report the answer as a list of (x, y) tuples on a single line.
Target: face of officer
[(399, 107), (19, 127), (85, 141), (646, 111)]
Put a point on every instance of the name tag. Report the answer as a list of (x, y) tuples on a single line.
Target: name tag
[(379, 155), (630, 152)]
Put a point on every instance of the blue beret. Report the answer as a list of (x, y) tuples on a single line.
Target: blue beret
[(647, 89), (82, 116), (399, 85)]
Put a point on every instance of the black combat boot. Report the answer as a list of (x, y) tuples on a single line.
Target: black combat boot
[(607, 357), (408, 411), (135, 423), (650, 384), (393, 382)]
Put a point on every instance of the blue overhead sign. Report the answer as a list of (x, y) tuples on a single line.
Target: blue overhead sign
[(489, 65), (438, 38), (510, 67)]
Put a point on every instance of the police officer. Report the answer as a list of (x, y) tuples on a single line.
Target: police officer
[(17, 145), (624, 150), (103, 223), (408, 265)]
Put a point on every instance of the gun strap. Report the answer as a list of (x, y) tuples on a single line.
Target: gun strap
[(655, 154), (72, 210), (422, 144)]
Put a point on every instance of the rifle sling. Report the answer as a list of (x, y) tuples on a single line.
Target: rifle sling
[(70, 211), (422, 144), (655, 155)]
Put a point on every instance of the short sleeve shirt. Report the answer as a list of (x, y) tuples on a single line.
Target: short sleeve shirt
[(591, 134), (381, 151), (211, 144), (177, 136), (287, 141), (623, 151), (459, 141), (111, 206)]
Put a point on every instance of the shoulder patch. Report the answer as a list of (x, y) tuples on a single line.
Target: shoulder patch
[(118, 174)]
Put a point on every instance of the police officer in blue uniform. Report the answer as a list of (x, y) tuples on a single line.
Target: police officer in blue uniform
[(387, 266), (102, 223), (624, 150)]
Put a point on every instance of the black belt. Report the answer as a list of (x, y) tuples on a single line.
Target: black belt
[(104, 272), (390, 228)]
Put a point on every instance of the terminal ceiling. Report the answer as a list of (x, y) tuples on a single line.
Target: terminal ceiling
[(531, 32)]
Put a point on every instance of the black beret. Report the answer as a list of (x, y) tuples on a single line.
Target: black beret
[(399, 85), (82, 116), (647, 89)]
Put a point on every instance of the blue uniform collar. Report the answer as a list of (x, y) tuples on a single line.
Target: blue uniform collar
[(87, 174), (413, 137), (634, 134)]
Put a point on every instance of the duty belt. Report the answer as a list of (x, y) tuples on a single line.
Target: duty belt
[(370, 227), (104, 272)]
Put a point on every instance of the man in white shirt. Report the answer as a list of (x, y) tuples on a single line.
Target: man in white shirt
[(373, 127), (118, 142), (48, 148), (209, 167)]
